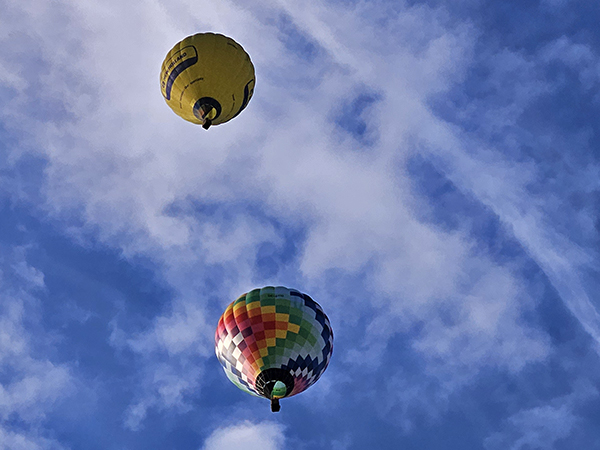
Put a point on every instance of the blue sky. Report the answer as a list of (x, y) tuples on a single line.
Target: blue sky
[(427, 171)]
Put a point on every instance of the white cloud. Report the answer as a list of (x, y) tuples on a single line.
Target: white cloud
[(505, 184), (583, 59), (13, 340), (10, 440), (487, 330), (164, 386), (37, 386), (543, 426), (261, 436), (451, 340), (170, 355), (34, 384), (555, 5), (537, 428)]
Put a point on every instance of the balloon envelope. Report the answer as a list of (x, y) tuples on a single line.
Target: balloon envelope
[(274, 342), (207, 79)]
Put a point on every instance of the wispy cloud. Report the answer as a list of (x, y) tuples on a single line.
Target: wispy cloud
[(544, 426), (30, 384), (265, 435)]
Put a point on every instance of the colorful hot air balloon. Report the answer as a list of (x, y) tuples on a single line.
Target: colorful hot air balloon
[(207, 79), (274, 342)]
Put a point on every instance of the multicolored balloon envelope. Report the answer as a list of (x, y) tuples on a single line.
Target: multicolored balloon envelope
[(207, 79), (274, 342)]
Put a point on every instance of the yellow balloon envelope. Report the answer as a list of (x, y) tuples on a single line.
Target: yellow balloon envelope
[(207, 79)]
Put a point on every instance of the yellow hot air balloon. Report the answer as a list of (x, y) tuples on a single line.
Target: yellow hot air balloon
[(207, 79)]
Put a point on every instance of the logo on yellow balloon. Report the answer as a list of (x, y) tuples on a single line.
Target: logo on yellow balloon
[(174, 66)]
